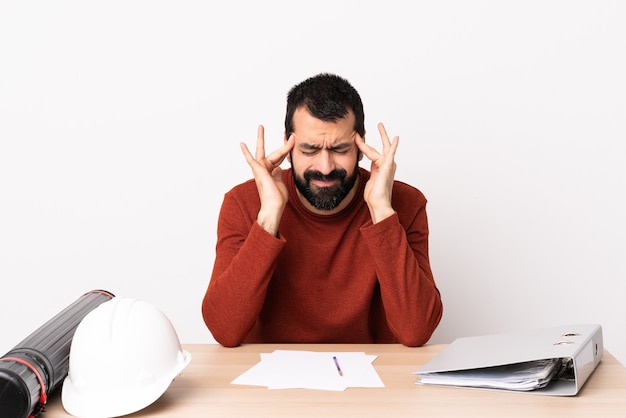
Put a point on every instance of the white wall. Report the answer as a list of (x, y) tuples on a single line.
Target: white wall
[(120, 124)]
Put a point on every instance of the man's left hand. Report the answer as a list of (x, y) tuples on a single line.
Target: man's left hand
[(378, 189)]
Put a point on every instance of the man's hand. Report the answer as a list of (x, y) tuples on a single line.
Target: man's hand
[(269, 181), (378, 189)]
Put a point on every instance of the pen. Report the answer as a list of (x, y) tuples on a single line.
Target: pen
[(337, 364)]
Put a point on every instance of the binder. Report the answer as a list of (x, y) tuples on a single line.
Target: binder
[(577, 348)]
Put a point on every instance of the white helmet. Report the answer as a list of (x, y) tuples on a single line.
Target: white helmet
[(123, 357)]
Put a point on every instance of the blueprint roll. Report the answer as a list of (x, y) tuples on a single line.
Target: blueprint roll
[(37, 366)]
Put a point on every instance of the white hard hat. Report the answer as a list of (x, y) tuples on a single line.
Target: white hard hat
[(124, 355)]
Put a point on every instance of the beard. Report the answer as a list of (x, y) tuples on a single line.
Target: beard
[(325, 198)]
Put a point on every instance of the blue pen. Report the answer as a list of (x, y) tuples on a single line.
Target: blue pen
[(337, 364)]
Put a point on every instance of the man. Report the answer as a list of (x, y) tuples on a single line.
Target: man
[(325, 251)]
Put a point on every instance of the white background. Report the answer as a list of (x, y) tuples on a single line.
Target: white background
[(120, 125)]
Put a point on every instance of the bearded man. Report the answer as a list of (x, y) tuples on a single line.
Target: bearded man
[(326, 251)]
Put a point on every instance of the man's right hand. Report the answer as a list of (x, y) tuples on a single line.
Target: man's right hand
[(269, 181)]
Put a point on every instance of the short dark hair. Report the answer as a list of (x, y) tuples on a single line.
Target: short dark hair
[(327, 97)]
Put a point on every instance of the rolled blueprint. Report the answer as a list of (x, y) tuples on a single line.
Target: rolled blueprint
[(37, 366)]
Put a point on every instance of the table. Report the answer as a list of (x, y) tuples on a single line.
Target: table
[(204, 390)]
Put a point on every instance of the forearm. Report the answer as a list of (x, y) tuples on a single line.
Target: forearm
[(238, 285), (380, 213), (269, 219), (410, 297)]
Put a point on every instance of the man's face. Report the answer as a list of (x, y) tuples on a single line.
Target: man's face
[(324, 161)]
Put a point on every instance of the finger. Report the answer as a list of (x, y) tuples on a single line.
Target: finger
[(277, 157), (246, 153), (260, 143), (368, 151), (394, 146), (383, 135)]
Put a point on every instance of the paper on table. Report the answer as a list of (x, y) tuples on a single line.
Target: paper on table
[(286, 369)]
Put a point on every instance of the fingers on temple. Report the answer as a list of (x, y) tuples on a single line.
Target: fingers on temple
[(368, 151)]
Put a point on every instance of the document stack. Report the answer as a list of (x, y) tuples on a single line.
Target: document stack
[(550, 361)]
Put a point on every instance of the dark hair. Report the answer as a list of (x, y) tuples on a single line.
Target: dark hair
[(327, 97)]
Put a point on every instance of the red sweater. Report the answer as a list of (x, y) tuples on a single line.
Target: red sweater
[(324, 279)]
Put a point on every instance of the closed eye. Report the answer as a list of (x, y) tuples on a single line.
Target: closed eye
[(308, 149), (343, 148)]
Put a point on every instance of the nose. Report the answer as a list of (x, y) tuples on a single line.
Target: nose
[(324, 163)]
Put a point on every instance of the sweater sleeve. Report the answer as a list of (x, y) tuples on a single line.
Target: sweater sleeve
[(410, 297), (244, 262)]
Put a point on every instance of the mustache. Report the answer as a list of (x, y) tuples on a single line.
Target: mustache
[(317, 175)]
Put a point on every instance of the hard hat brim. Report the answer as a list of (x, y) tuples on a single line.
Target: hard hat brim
[(115, 401)]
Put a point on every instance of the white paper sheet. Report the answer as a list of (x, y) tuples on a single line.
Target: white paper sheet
[(288, 369)]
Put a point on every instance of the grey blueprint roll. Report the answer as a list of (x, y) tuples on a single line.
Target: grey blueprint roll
[(37, 365)]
